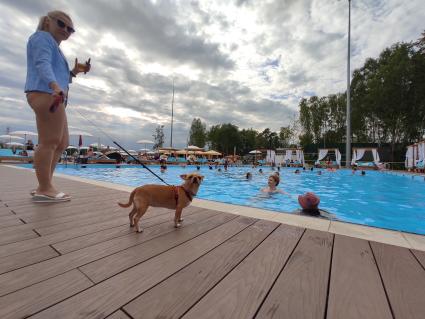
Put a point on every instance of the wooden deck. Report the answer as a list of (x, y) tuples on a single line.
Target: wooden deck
[(81, 260)]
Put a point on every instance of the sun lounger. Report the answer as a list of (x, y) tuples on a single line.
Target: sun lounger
[(6, 155)]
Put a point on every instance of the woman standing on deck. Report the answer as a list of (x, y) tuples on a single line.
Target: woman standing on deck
[(46, 87)]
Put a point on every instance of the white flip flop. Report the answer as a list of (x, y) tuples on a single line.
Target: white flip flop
[(60, 197)]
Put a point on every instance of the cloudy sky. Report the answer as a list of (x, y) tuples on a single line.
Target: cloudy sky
[(244, 62)]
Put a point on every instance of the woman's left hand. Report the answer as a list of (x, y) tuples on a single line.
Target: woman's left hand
[(81, 67)]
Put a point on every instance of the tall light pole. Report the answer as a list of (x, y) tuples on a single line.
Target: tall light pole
[(172, 117), (348, 132)]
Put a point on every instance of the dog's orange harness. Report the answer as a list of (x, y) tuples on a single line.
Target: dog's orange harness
[(176, 193)]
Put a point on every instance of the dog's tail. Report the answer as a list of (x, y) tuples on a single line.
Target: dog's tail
[(130, 200)]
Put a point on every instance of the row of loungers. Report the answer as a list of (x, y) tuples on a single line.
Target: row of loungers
[(7, 155)]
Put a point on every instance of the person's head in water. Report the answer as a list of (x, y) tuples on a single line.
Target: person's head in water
[(273, 181), (363, 173), (311, 168), (278, 168), (297, 171), (198, 167), (309, 203), (248, 176), (260, 171), (219, 169)]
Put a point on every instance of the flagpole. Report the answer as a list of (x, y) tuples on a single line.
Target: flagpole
[(172, 117), (348, 132)]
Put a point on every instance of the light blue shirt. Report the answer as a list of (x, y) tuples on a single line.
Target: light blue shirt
[(45, 64)]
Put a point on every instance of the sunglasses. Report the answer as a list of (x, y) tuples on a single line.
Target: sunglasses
[(62, 25)]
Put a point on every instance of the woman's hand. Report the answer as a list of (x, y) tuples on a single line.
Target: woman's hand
[(81, 67), (57, 91)]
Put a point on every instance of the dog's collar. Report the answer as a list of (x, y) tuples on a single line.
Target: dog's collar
[(189, 194)]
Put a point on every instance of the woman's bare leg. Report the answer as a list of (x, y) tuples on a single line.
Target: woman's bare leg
[(50, 128), (61, 147)]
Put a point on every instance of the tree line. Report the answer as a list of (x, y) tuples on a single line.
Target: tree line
[(387, 101)]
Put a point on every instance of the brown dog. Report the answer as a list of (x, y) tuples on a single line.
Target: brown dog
[(172, 197)]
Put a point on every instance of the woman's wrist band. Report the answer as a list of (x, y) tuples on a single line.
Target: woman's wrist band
[(72, 74)]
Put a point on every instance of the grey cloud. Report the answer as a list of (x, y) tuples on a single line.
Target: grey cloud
[(154, 30)]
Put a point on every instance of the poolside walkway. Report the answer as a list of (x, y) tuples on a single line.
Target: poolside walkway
[(81, 260)]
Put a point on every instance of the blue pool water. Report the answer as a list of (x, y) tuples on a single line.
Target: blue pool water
[(381, 199)]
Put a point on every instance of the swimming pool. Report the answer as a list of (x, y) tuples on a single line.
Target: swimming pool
[(380, 199)]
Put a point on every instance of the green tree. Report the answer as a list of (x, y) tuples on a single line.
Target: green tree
[(224, 138), (159, 137), (198, 133), (285, 136), (248, 140)]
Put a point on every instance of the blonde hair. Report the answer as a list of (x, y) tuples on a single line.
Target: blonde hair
[(42, 22)]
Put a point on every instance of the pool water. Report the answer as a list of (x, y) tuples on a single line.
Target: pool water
[(381, 199)]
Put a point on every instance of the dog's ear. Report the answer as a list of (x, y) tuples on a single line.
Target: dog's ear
[(183, 176), (202, 177)]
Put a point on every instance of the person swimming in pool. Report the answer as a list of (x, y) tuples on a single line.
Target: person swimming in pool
[(309, 203), (272, 183)]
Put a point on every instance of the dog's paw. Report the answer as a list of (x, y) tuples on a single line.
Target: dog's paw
[(177, 225), (180, 220), (139, 230)]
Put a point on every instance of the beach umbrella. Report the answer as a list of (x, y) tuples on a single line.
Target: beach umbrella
[(15, 144), (145, 142), (24, 134), (194, 148), (80, 135), (10, 137), (212, 152), (255, 152), (132, 152)]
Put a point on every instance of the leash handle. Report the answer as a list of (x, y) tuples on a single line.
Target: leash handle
[(58, 99)]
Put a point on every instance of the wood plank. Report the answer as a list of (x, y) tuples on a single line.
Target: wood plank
[(23, 277), (7, 237), (356, 289), (29, 244), (67, 222), (73, 244), (118, 315), (241, 292), (172, 297), (109, 295), (404, 280), (28, 207), (420, 255), (26, 258), (43, 231), (8, 221), (301, 289), (5, 211), (59, 220), (28, 301), (108, 266), (13, 248)]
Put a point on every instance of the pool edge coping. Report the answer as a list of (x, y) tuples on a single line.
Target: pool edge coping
[(386, 236)]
